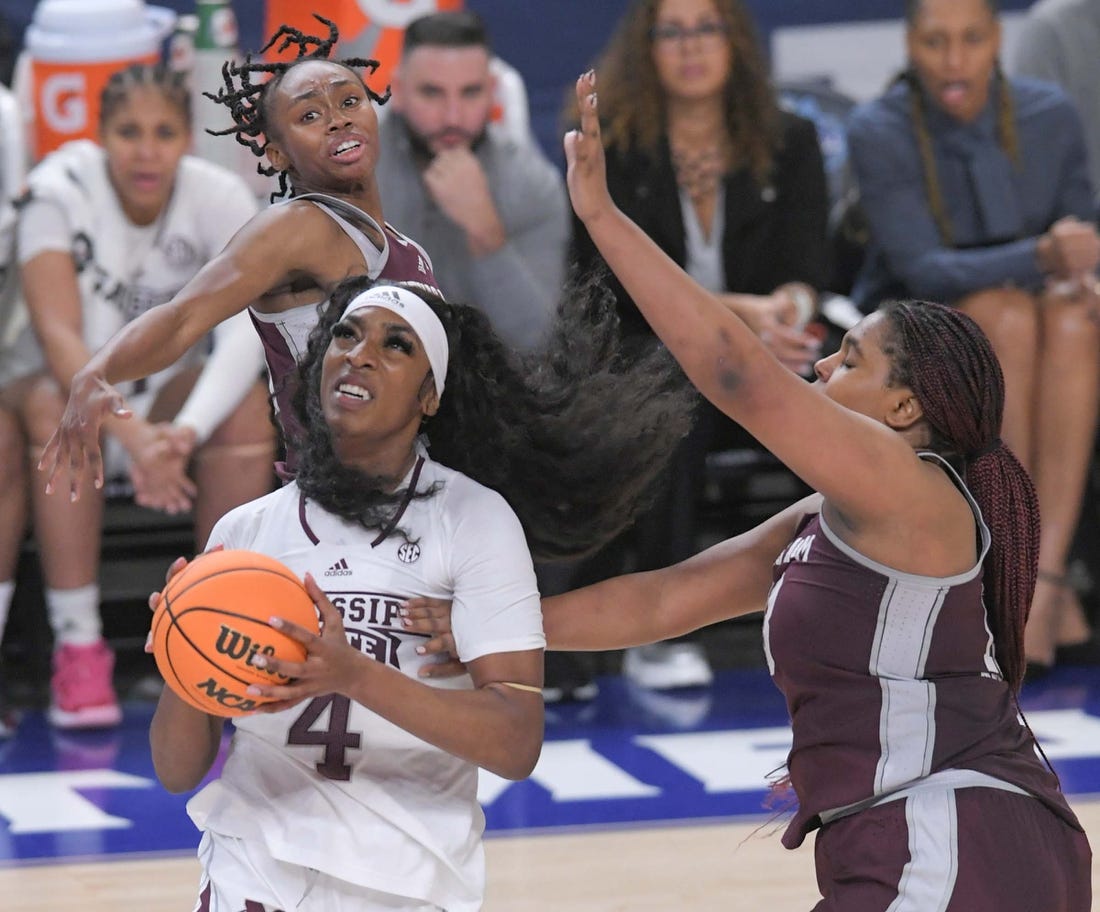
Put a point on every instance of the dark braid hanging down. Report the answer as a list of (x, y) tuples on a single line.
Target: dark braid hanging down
[(961, 389), (247, 101)]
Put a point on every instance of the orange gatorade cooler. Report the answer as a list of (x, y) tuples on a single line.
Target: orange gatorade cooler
[(72, 48), (368, 28)]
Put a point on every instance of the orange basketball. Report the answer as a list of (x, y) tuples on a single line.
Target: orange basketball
[(212, 622)]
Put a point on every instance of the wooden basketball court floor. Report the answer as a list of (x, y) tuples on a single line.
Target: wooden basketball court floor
[(640, 801)]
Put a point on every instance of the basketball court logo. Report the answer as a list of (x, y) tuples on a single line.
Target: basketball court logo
[(408, 553)]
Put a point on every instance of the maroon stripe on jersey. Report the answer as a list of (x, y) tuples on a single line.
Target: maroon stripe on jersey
[(310, 534), (409, 492)]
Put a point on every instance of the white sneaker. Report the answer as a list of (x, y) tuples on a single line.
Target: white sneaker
[(667, 666)]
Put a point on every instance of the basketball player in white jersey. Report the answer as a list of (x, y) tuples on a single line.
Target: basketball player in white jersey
[(107, 230), (365, 796)]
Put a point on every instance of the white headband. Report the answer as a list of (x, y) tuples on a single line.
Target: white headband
[(416, 312)]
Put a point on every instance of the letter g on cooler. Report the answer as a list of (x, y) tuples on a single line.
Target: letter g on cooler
[(63, 102)]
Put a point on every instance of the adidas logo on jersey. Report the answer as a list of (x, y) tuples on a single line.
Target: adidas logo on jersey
[(340, 568)]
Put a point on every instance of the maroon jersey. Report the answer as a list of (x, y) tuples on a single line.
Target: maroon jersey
[(889, 677), (286, 334)]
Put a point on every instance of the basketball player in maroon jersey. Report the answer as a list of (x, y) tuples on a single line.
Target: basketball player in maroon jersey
[(315, 121), (895, 597)]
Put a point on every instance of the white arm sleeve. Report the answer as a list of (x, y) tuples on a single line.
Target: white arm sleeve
[(237, 359), (234, 365)]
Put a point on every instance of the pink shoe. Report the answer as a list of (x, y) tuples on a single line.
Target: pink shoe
[(82, 695)]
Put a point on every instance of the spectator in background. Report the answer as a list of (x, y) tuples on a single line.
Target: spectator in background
[(976, 193), (1059, 40), (701, 156), (105, 233), (489, 209)]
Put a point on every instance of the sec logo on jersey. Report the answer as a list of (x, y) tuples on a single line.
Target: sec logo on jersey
[(408, 552)]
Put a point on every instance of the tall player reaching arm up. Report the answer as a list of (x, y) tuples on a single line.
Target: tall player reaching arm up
[(895, 597), (319, 132)]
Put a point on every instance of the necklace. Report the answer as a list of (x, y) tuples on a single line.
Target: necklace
[(699, 170)]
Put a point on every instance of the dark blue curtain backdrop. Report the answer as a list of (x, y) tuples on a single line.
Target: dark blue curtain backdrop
[(550, 41)]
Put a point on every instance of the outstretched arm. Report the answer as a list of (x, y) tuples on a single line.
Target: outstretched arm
[(240, 274), (729, 580), (832, 448)]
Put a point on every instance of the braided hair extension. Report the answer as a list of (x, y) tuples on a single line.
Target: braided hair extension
[(574, 436), (1007, 136), (247, 101), (942, 355), (171, 84)]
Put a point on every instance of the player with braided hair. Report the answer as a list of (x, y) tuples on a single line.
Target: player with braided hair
[(314, 120), (245, 99), (894, 597)]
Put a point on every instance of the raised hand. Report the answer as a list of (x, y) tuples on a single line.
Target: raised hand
[(586, 174), (75, 443)]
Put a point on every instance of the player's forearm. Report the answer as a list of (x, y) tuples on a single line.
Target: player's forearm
[(495, 727), (613, 614), (710, 343), (184, 742), (152, 342)]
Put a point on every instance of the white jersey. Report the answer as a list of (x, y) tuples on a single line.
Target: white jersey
[(124, 269), (331, 785)]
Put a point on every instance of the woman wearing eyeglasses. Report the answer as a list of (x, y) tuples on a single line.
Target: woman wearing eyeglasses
[(702, 158)]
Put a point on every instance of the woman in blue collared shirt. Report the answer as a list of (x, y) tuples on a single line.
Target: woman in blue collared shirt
[(976, 193)]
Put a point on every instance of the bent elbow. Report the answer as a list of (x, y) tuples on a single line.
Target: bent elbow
[(518, 762), (176, 783)]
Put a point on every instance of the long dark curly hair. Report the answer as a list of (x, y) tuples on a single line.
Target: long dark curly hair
[(633, 104), (247, 100), (961, 390), (575, 436)]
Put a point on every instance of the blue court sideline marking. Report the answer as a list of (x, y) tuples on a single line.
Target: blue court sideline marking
[(630, 756)]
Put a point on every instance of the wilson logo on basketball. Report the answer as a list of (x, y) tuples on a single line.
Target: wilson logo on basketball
[(340, 568), (241, 647)]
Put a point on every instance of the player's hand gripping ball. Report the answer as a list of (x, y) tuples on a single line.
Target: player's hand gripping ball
[(212, 621)]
